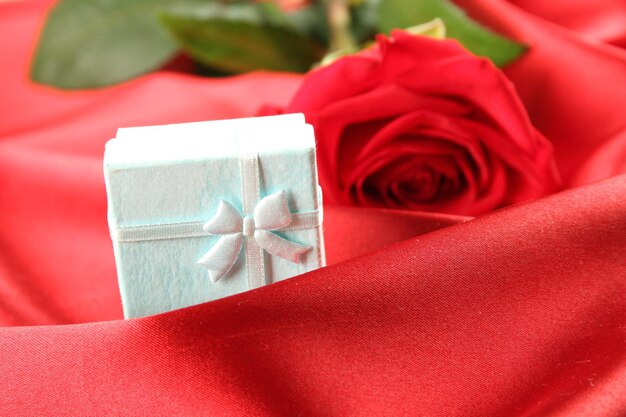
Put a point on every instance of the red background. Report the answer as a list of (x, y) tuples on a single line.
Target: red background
[(521, 312)]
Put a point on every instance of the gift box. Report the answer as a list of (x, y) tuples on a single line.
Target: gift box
[(201, 211)]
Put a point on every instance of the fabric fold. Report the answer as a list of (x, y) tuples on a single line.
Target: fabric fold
[(526, 303)]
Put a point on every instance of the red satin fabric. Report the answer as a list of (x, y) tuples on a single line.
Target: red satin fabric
[(521, 312), (517, 313), (602, 20)]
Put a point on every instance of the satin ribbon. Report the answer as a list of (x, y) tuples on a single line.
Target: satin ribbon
[(256, 227), (271, 213)]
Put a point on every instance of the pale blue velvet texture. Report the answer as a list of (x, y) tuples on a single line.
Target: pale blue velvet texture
[(162, 275)]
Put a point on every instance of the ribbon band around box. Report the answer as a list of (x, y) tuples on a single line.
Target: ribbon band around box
[(261, 218)]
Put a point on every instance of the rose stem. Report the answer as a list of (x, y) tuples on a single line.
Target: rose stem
[(338, 15)]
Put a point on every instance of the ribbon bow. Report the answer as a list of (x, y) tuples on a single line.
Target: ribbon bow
[(270, 213)]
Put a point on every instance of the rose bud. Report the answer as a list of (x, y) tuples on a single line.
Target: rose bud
[(417, 123)]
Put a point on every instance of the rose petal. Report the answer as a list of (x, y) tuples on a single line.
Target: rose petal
[(572, 88)]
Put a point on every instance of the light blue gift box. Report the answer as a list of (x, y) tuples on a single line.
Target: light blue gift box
[(176, 213)]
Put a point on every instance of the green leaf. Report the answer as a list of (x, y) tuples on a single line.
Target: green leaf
[(475, 37), (242, 37), (434, 29), (364, 19), (333, 56), (95, 43), (312, 22)]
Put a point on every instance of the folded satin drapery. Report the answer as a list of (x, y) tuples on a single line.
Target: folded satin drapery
[(521, 312)]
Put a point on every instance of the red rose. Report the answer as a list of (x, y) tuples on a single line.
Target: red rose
[(422, 124)]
